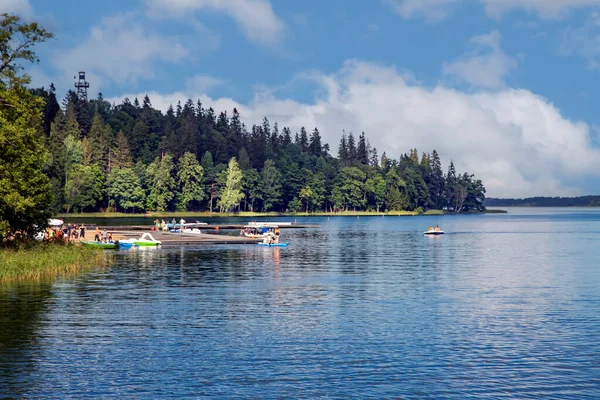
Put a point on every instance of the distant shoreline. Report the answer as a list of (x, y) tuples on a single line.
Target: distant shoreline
[(582, 201), (190, 214)]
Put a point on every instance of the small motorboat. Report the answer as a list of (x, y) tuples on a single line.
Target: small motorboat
[(274, 244), (433, 233)]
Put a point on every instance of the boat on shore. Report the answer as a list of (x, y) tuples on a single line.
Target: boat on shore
[(99, 245), (147, 240)]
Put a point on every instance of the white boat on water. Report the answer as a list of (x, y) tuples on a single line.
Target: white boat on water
[(259, 231)]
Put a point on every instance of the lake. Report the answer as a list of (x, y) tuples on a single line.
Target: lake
[(502, 306)]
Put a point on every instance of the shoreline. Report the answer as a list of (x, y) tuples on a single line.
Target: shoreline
[(199, 214), (46, 261)]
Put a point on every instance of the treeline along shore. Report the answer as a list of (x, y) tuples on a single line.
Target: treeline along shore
[(131, 157), (582, 201), (93, 156)]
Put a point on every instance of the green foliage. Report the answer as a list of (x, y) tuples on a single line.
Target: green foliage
[(161, 184), (189, 179), (305, 195), (270, 185), (251, 185), (25, 193), (125, 189), (230, 181), (84, 187), (47, 260), (163, 149)]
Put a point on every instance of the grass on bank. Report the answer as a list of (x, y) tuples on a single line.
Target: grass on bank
[(47, 260), (247, 214)]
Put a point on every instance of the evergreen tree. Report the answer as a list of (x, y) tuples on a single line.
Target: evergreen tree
[(303, 140), (251, 185), (270, 185), (437, 182), (121, 156), (362, 153), (100, 141), (343, 149), (315, 146), (352, 153), (244, 162)]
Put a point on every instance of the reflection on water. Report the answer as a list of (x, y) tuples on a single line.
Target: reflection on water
[(501, 306)]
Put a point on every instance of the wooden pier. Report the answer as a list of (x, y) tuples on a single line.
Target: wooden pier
[(177, 239), (212, 227)]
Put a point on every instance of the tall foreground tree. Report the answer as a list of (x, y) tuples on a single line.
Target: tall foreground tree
[(161, 183), (230, 181), (25, 193), (189, 179)]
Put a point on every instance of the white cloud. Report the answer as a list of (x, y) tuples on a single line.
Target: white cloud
[(515, 140), (256, 18), (120, 49), (486, 66), (548, 9), (584, 41), (435, 10), (432, 10), (202, 83), (18, 7)]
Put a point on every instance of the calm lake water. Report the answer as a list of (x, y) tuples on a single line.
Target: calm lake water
[(502, 306)]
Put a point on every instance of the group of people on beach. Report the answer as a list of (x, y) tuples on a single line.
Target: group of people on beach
[(73, 232), (66, 232)]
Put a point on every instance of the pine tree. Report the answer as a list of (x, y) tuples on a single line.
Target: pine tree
[(303, 140), (343, 149), (100, 140), (315, 146), (362, 153), (352, 154), (270, 185), (121, 155)]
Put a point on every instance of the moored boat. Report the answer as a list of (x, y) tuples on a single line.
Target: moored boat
[(99, 245), (147, 240)]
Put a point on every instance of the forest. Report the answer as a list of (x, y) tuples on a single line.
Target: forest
[(132, 157), (94, 156)]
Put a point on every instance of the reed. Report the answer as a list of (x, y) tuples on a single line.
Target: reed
[(43, 261)]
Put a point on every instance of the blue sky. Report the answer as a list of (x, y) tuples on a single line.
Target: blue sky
[(505, 88)]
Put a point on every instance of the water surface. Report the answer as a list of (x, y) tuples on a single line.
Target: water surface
[(502, 306)]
